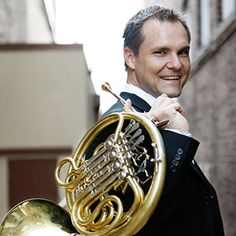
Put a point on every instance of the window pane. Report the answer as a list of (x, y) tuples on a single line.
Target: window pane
[(205, 22), (228, 8)]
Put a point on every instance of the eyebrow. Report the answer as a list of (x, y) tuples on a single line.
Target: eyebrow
[(165, 48), (185, 48)]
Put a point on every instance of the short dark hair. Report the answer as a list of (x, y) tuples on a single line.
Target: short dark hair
[(133, 36)]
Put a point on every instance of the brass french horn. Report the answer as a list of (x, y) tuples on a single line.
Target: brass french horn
[(37, 217), (114, 178)]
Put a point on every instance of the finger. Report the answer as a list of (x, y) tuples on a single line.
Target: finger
[(166, 101), (160, 99), (128, 106), (163, 95), (178, 108)]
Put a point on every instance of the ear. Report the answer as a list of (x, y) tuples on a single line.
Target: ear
[(129, 58)]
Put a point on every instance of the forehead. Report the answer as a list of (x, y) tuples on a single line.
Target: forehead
[(164, 31)]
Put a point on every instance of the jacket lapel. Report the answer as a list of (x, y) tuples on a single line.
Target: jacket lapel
[(138, 103)]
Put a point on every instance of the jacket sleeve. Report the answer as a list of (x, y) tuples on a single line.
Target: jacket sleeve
[(117, 107), (180, 151)]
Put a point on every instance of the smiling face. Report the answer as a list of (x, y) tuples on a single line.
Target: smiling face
[(162, 64)]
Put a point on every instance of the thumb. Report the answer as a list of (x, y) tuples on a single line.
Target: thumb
[(128, 106)]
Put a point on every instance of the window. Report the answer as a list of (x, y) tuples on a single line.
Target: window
[(205, 22), (219, 13), (228, 8), (199, 24)]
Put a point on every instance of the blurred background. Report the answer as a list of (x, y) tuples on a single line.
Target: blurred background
[(54, 56)]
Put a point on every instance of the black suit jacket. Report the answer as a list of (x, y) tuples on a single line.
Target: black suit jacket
[(188, 205)]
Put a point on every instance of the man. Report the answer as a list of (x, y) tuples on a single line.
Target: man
[(156, 53)]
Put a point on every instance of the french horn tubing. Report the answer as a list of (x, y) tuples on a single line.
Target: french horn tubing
[(116, 174), (113, 182)]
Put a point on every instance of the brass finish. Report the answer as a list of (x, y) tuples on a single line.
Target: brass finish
[(113, 182), (106, 87), (95, 207), (37, 217)]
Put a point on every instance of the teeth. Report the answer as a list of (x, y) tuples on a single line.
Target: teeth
[(170, 77)]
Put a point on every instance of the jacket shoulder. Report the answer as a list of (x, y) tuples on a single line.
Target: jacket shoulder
[(117, 107)]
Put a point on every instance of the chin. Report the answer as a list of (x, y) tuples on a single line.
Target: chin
[(173, 95)]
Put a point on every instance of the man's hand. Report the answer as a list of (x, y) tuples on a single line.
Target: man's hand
[(128, 106), (166, 108)]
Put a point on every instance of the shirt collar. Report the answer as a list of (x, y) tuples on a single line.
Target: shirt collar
[(129, 88)]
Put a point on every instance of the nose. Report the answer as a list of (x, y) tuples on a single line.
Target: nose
[(174, 62)]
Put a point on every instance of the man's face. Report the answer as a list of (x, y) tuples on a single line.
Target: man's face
[(163, 64)]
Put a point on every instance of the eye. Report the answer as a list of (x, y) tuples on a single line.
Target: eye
[(160, 52), (184, 52)]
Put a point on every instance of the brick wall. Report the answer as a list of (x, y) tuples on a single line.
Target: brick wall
[(210, 104)]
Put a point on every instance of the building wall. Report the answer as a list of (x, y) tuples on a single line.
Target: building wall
[(24, 21), (3, 186), (47, 102), (177, 5), (209, 98), (210, 103), (42, 87), (38, 25)]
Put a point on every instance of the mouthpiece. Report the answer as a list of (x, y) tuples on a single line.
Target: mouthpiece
[(106, 87)]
